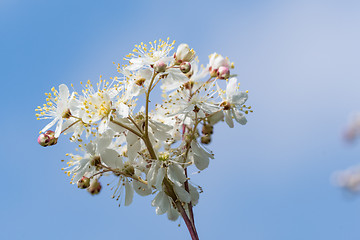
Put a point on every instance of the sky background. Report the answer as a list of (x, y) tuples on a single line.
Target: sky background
[(270, 178)]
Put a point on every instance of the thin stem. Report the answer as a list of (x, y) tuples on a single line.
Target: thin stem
[(146, 135), (70, 126), (126, 127), (188, 223), (136, 125)]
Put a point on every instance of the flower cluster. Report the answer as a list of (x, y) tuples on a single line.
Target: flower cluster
[(147, 147)]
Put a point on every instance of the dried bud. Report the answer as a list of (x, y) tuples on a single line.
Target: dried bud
[(47, 139), (185, 67), (207, 129), (184, 53), (83, 183), (94, 187), (129, 169), (160, 66), (66, 114), (140, 81), (189, 85), (225, 105), (206, 139), (223, 73), (213, 72), (96, 160)]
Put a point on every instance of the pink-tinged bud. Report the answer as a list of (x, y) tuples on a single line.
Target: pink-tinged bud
[(83, 183), (184, 53), (160, 66), (185, 67), (223, 73), (47, 139), (94, 187)]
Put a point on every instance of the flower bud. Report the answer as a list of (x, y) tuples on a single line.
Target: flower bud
[(207, 129), (160, 66), (206, 139), (83, 183), (184, 53), (47, 139), (185, 67), (94, 187), (223, 73)]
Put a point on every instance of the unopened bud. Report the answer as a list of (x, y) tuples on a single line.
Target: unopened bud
[(223, 72), (47, 139), (185, 67), (94, 187), (83, 183), (160, 66), (206, 139)]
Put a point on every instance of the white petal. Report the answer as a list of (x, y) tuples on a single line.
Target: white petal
[(129, 191), (176, 174), (197, 149), (90, 148), (111, 158), (231, 87), (49, 125), (216, 117), (194, 194), (239, 117), (160, 178), (239, 98), (228, 119), (183, 195), (172, 214), (141, 188), (58, 128), (63, 92), (200, 162)]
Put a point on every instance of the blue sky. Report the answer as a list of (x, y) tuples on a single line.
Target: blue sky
[(270, 179)]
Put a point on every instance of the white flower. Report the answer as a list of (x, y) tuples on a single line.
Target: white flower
[(149, 55), (57, 108), (232, 104), (216, 61), (184, 53)]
